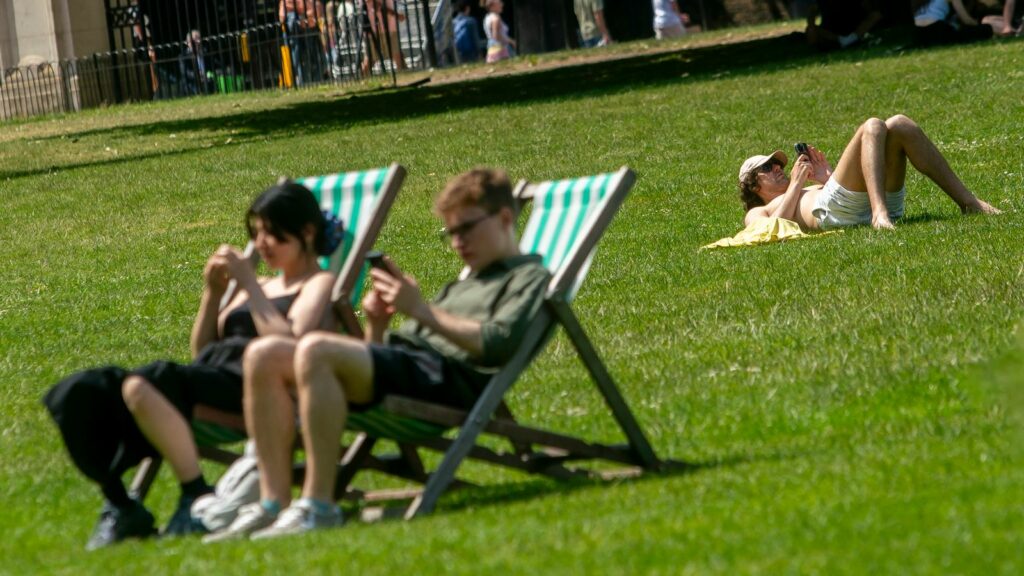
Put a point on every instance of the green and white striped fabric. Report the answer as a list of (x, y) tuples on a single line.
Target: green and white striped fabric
[(562, 213), (210, 434), (379, 423), (352, 197)]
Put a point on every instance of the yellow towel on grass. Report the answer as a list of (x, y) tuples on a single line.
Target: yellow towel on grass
[(765, 231)]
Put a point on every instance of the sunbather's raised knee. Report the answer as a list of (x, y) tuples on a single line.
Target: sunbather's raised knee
[(135, 390), (268, 351), (903, 126), (319, 349), (874, 127), (900, 121)]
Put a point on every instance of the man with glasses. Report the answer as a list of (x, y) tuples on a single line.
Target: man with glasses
[(867, 186), (445, 352)]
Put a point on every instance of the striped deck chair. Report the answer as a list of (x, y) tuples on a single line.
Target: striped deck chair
[(567, 220), (362, 201)]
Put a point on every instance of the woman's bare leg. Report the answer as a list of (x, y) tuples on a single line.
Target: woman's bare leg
[(270, 412), (164, 427)]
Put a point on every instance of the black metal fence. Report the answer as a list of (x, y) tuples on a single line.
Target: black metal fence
[(339, 46)]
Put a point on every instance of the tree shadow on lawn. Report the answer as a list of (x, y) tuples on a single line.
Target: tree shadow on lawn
[(572, 82), (474, 496)]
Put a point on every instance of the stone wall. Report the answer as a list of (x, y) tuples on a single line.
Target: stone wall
[(34, 31), (88, 23)]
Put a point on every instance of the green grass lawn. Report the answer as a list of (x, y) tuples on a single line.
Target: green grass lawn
[(852, 403)]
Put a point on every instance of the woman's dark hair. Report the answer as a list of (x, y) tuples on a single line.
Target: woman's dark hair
[(286, 208), (748, 191)]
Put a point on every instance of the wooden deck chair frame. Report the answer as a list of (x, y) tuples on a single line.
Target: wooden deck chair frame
[(346, 290), (534, 450)]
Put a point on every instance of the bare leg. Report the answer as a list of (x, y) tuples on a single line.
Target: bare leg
[(863, 167), (910, 142), (332, 370), (164, 427), (270, 412), (396, 52), (876, 160), (331, 31), (872, 161), (371, 44), (999, 25)]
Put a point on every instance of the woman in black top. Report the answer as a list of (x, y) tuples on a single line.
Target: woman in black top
[(111, 418)]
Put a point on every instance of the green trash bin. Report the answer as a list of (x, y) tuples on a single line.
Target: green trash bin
[(228, 83)]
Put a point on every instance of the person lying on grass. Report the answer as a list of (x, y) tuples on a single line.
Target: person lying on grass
[(111, 418), (867, 187), (445, 352)]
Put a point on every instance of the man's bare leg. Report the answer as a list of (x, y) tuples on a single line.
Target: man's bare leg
[(332, 370), (863, 167), (872, 159), (909, 141), (270, 412)]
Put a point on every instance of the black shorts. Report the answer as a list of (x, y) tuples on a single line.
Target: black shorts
[(420, 374), (101, 434), (186, 385)]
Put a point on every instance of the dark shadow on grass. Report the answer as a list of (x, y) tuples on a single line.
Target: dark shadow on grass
[(924, 218), (490, 495), (760, 56)]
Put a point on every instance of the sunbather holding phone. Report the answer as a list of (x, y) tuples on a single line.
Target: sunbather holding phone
[(867, 186)]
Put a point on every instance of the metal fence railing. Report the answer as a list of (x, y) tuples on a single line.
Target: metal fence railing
[(336, 48)]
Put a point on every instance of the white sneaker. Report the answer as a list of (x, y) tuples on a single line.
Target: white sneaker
[(251, 517), (298, 518)]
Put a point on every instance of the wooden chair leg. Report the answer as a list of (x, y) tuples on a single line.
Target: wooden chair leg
[(352, 462), (613, 398), (145, 474), (412, 458)]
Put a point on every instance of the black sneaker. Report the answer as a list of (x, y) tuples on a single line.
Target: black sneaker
[(116, 524), (183, 523)]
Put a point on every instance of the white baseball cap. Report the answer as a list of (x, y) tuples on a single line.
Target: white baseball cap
[(755, 162)]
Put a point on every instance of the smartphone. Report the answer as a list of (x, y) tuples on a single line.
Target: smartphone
[(376, 259), (801, 148)]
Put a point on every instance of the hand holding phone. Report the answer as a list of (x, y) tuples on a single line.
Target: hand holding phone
[(821, 171), (376, 260)]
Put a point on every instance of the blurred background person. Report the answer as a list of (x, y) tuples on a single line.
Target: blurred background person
[(499, 45), (383, 38), (467, 33), (669, 20), (590, 15)]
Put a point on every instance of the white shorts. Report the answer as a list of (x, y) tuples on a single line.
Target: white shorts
[(836, 206), (670, 32)]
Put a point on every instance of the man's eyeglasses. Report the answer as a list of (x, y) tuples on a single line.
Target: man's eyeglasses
[(768, 166), (463, 229)]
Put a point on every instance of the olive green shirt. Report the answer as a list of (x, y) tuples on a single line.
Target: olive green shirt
[(503, 297)]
